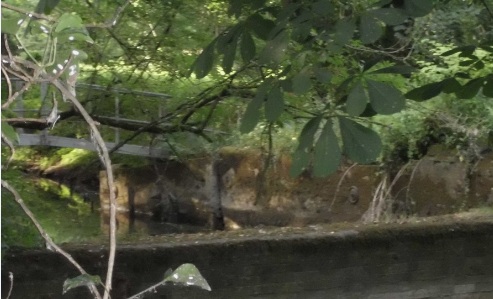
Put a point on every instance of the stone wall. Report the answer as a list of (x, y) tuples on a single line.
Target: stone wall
[(452, 260), (437, 184)]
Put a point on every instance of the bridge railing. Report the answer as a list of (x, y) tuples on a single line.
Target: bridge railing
[(116, 94)]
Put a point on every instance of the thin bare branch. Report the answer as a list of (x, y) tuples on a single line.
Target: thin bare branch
[(9, 143), (109, 172), (339, 185), (11, 280), (27, 12)]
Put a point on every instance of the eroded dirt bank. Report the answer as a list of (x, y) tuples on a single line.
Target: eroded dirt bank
[(252, 195)]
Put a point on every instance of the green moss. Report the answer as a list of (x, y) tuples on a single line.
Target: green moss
[(65, 218)]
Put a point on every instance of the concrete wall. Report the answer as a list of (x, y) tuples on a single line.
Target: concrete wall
[(431, 261)]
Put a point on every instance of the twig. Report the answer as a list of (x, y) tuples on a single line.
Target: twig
[(411, 179), (149, 289), (339, 185), (9, 84), (11, 279), (49, 242), (27, 12), (109, 172), (11, 99), (9, 143)]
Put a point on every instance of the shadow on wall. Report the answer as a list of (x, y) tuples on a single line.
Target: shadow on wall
[(179, 193)]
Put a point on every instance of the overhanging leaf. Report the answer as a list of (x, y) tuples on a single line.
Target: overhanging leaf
[(274, 50), (356, 100), (418, 8), (470, 89), (307, 135), (362, 145), (204, 62), (468, 50), (488, 88), (322, 7), (299, 161), (10, 132), (274, 106), (390, 16), (370, 29), (385, 98), (10, 25), (188, 275), (261, 26), (323, 75), (229, 56), (46, 6), (69, 21), (301, 83), (395, 69), (252, 113), (344, 30), (248, 49), (81, 280), (327, 154), (425, 92)]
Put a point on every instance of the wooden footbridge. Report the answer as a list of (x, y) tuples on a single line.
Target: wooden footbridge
[(44, 138)]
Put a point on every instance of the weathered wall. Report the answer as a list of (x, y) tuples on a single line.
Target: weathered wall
[(431, 261), (436, 184)]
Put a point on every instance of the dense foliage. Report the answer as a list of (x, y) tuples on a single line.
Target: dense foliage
[(324, 68)]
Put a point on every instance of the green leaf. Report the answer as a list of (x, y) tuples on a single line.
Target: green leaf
[(418, 8), (274, 50), (247, 49), (79, 35), (385, 98), (203, 64), (299, 161), (362, 145), (229, 57), (323, 75), (260, 26), (188, 275), (470, 89), (395, 69), (10, 25), (344, 30), (370, 29), (252, 113), (357, 100), (369, 112), (468, 50), (390, 16), (69, 21), (425, 92), (81, 280), (274, 106), (451, 85), (488, 88), (307, 135), (9, 132), (301, 83), (46, 6), (322, 7), (327, 154)]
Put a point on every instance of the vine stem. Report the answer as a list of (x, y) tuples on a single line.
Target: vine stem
[(49, 242)]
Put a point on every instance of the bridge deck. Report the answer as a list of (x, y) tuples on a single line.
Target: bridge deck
[(50, 140)]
